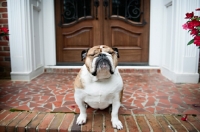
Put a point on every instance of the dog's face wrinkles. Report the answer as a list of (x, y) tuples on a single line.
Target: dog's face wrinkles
[(101, 61)]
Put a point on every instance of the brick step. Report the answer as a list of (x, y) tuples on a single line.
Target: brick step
[(22, 121), (121, 70)]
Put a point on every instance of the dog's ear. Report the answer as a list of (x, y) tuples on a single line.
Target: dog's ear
[(84, 54), (116, 50)]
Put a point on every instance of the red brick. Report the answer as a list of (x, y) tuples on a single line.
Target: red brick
[(163, 123), (3, 9), (153, 122), (4, 4), (5, 63), (4, 15), (67, 121), (4, 114), (3, 20), (142, 124), (194, 121), (175, 123), (35, 122), (108, 124), (4, 53), (7, 120), (46, 122), (98, 122), (6, 48), (6, 58), (3, 43), (122, 119), (131, 124), (56, 122), (1, 58), (11, 127), (75, 127), (25, 121)]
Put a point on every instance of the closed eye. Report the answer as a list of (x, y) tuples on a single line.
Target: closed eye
[(91, 54), (110, 53)]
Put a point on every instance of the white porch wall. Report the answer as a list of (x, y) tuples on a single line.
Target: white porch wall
[(179, 62), (168, 40), (26, 38)]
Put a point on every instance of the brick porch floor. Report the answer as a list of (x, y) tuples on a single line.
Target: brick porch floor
[(96, 122), (146, 92)]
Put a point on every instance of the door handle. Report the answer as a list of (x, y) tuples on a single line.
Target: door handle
[(96, 4), (105, 4)]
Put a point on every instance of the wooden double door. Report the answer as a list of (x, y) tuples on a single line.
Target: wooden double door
[(81, 24)]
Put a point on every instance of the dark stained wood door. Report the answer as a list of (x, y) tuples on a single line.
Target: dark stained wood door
[(81, 24)]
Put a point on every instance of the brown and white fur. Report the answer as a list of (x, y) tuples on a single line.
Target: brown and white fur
[(99, 83)]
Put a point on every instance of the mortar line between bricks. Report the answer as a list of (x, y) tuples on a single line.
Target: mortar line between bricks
[(42, 121), (36, 128), (2, 111), (103, 129), (13, 119), (93, 120), (180, 123), (70, 126), (21, 121), (30, 121), (61, 121), (134, 117), (5, 116), (192, 125), (158, 121), (151, 129), (169, 124), (125, 122), (115, 130)]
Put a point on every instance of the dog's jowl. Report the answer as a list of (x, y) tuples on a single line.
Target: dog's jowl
[(99, 83)]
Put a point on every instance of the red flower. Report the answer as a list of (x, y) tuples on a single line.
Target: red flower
[(5, 30), (185, 26), (189, 15), (198, 9), (193, 23), (197, 40), (194, 32)]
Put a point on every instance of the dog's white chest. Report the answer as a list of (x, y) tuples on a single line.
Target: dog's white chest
[(99, 97), (100, 94)]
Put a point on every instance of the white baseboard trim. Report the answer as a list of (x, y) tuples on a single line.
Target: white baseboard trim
[(119, 67), (180, 77), (26, 76)]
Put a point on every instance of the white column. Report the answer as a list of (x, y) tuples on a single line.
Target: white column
[(179, 61), (26, 38), (49, 33)]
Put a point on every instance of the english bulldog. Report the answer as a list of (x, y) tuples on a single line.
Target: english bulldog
[(99, 83)]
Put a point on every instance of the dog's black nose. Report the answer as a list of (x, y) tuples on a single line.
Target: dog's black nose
[(102, 55)]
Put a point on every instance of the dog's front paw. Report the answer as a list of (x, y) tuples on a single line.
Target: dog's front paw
[(117, 124), (81, 120)]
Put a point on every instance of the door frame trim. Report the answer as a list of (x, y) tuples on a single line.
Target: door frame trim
[(50, 38)]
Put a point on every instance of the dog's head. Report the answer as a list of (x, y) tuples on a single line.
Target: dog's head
[(101, 60)]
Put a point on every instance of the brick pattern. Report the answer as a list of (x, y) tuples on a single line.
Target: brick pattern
[(5, 65), (145, 92), (99, 121)]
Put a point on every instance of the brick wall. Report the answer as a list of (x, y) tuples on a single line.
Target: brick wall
[(5, 66)]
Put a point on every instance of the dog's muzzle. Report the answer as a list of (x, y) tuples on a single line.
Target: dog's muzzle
[(102, 62)]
